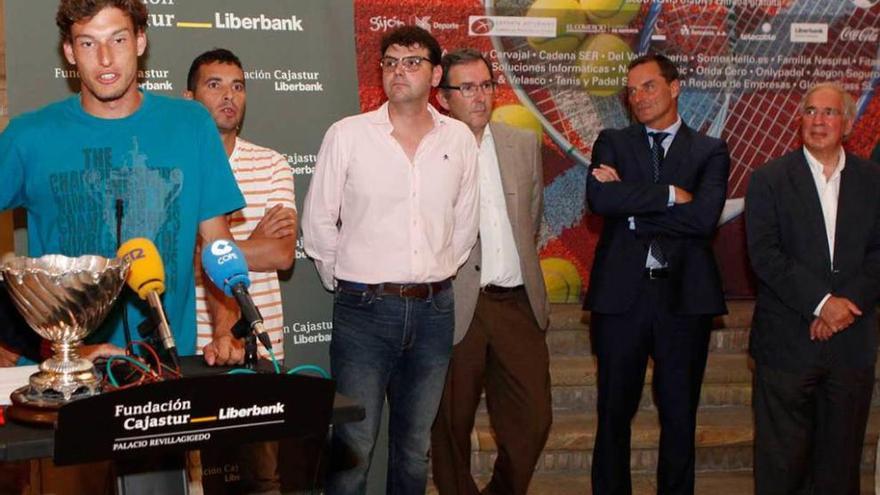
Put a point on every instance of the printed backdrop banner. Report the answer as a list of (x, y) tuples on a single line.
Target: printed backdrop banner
[(298, 57), (299, 61), (561, 65)]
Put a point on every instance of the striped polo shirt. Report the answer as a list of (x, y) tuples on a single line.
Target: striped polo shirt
[(266, 180)]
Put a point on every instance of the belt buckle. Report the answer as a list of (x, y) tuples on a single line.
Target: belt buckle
[(415, 291), (660, 273)]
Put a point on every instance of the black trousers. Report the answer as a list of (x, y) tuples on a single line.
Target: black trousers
[(809, 429), (678, 345)]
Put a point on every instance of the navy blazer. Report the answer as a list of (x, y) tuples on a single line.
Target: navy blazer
[(788, 249), (694, 162)]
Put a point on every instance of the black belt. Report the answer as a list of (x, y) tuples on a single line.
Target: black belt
[(656, 273), (416, 291), (497, 289)]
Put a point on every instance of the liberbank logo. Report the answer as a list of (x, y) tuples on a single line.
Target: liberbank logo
[(809, 32), (234, 22), (229, 20)]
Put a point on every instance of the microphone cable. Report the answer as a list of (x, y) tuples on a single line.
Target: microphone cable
[(126, 330), (303, 368), (136, 371)]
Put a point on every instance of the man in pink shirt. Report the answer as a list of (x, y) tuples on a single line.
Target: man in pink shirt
[(391, 213)]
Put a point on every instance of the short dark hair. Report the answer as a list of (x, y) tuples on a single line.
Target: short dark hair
[(218, 55), (459, 57), (667, 68), (409, 36), (72, 11)]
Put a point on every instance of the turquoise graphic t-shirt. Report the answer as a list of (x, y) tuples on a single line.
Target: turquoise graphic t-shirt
[(165, 162)]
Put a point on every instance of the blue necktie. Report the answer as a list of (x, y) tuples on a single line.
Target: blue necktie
[(657, 152), (657, 161)]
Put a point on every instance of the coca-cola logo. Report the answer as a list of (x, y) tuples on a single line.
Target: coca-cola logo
[(865, 4), (867, 34)]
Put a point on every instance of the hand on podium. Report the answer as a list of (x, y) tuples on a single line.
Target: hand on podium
[(224, 350)]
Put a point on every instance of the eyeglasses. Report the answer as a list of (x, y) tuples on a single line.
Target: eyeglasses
[(469, 90), (825, 112), (410, 64)]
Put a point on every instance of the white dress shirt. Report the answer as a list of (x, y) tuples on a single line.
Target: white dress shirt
[(829, 194), (371, 215), (650, 261), (500, 263)]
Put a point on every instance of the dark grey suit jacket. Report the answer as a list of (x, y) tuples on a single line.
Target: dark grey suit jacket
[(522, 178), (788, 249)]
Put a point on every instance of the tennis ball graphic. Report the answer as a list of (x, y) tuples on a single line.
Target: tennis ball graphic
[(520, 117), (604, 58), (611, 12), (566, 12), (562, 280)]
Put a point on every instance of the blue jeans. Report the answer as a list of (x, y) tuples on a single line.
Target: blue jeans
[(396, 347)]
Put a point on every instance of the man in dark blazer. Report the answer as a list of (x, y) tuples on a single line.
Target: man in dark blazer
[(501, 308), (654, 284), (813, 229)]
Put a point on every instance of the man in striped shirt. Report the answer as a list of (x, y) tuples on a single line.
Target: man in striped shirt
[(266, 228)]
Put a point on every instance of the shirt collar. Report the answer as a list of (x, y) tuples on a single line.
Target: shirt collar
[(235, 149), (487, 140), (381, 116), (816, 167), (671, 130)]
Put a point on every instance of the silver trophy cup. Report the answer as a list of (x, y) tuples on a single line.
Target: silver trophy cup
[(64, 300)]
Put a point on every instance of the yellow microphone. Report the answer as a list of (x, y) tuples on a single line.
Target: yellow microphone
[(146, 277)]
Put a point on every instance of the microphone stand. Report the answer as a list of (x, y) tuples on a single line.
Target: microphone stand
[(242, 330), (250, 351)]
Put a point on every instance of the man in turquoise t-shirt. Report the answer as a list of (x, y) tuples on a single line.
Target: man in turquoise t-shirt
[(69, 163)]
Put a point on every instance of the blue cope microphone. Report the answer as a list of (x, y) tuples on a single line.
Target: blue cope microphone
[(225, 265)]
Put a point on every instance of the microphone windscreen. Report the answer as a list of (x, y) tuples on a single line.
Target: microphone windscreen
[(147, 273), (225, 265)]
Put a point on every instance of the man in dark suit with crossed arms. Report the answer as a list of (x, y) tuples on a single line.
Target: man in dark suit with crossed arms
[(813, 228), (654, 285)]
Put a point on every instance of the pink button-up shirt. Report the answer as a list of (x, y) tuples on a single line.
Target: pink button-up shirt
[(373, 216)]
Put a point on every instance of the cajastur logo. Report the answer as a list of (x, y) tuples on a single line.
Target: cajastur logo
[(482, 25)]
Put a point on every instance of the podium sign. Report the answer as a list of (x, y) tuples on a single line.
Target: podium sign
[(192, 413)]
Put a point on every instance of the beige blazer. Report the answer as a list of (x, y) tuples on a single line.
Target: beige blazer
[(522, 178)]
